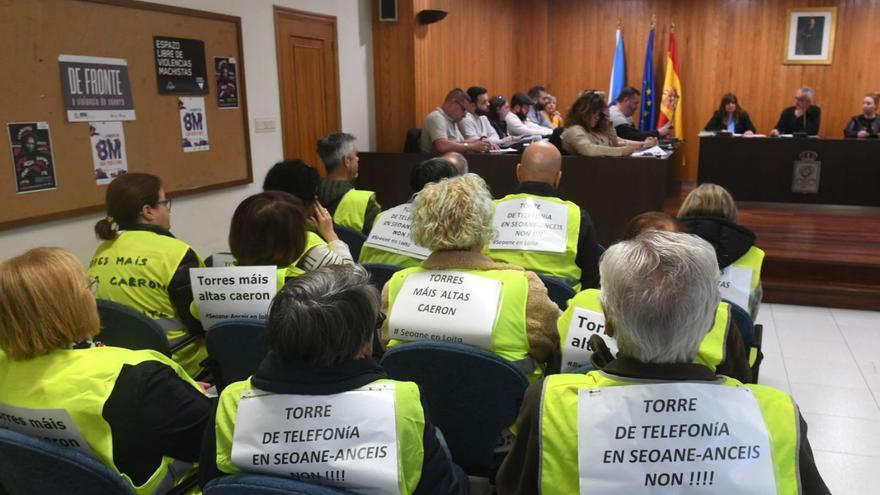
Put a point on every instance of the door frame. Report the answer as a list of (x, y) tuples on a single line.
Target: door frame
[(280, 13)]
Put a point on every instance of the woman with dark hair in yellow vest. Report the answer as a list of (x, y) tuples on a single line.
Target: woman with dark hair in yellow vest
[(109, 403), (270, 228), (142, 265)]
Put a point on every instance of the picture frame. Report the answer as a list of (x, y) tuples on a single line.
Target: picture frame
[(809, 35)]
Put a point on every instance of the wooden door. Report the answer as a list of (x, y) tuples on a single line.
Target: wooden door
[(309, 81)]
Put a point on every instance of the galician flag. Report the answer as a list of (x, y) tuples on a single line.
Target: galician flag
[(670, 101), (618, 69), (649, 101)]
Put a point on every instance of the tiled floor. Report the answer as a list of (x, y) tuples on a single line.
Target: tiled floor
[(829, 360)]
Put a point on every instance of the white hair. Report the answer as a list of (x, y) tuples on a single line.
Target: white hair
[(659, 293), (808, 92)]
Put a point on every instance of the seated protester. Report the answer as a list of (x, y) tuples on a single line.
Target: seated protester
[(270, 228), (390, 241), (710, 212), (350, 207), (551, 114), (518, 123), (114, 400), (323, 246), (660, 294), (867, 124), (730, 117), (320, 337), (440, 130), (497, 114), (460, 295), (588, 131), (456, 159), (142, 265), (802, 117), (569, 253), (621, 112), (475, 124), (539, 95), (585, 341)]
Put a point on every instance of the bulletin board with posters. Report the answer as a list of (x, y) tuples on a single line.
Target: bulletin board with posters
[(59, 180)]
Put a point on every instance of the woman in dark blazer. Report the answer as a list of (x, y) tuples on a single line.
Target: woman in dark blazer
[(730, 117)]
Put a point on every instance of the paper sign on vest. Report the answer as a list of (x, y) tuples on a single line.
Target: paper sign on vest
[(530, 224), (584, 324), (54, 425), (682, 438), (392, 233), (346, 440), (235, 292), (735, 285), (446, 306)]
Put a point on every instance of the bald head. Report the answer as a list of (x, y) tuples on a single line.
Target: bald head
[(458, 160), (541, 162)]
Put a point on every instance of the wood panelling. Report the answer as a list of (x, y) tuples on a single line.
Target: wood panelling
[(729, 45), (394, 76)]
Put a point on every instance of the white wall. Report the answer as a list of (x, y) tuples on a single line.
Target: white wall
[(203, 220)]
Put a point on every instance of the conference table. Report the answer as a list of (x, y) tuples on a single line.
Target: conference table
[(611, 189), (839, 171)]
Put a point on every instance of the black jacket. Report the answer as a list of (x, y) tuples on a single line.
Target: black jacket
[(861, 123), (439, 474), (729, 239), (808, 122), (718, 122)]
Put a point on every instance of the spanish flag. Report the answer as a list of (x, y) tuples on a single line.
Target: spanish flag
[(670, 101)]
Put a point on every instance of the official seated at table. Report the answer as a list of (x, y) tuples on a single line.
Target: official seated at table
[(622, 429), (867, 124), (475, 123), (499, 107), (440, 131), (390, 241), (589, 132), (460, 295), (802, 117), (730, 117), (710, 212), (570, 253), (551, 113), (136, 412), (142, 265), (539, 95), (350, 207), (332, 415), (621, 112), (517, 120), (583, 332)]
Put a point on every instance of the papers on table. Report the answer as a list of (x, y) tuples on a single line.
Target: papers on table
[(655, 151)]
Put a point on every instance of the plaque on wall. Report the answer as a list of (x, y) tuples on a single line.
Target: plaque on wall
[(807, 168)]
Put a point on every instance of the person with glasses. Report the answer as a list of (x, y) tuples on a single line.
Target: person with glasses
[(142, 265), (803, 117), (440, 133), (589, 131), (320, 409)]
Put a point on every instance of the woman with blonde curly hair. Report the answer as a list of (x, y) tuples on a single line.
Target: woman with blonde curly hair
[(458, 294)]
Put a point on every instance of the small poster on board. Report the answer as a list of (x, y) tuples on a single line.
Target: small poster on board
[(227, 82), (96, 88), (193, 123), (180, 66), (108, 151), (32, 158)]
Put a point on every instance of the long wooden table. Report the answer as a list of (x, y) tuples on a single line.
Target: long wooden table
[(762, 169), (612, 190)]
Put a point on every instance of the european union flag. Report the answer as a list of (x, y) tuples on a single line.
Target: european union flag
[(649, 102)]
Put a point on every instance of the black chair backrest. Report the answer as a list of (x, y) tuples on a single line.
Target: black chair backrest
[(31, 465), (471, 395), (380, 273), (352, 237), (123, 326), (556, 139), (413, 140), (558, 291), (258, 484), (236, 348)]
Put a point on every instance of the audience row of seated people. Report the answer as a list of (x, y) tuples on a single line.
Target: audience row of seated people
[(659, 303)]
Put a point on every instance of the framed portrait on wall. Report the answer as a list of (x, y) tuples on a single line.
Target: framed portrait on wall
[(809, 35)]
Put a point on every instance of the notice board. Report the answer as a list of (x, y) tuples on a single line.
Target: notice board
[(38, 31)]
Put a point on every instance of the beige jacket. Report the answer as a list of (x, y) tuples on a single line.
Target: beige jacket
[(576, 140), (541, 312)]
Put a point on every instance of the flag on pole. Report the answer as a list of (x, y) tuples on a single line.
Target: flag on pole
[(670, 101), (649, 102), (618, 69)]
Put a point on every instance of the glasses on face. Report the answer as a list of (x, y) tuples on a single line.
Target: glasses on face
[(92, 285), (802, 99), (166, 202)]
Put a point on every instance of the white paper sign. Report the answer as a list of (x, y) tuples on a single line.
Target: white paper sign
[(193, 123), (681, 438), (584, 324), (736, 284), (347, 440), (233, 292), (108, 151), (446, 306), (530, 224), (54, 425), (391, 233)]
